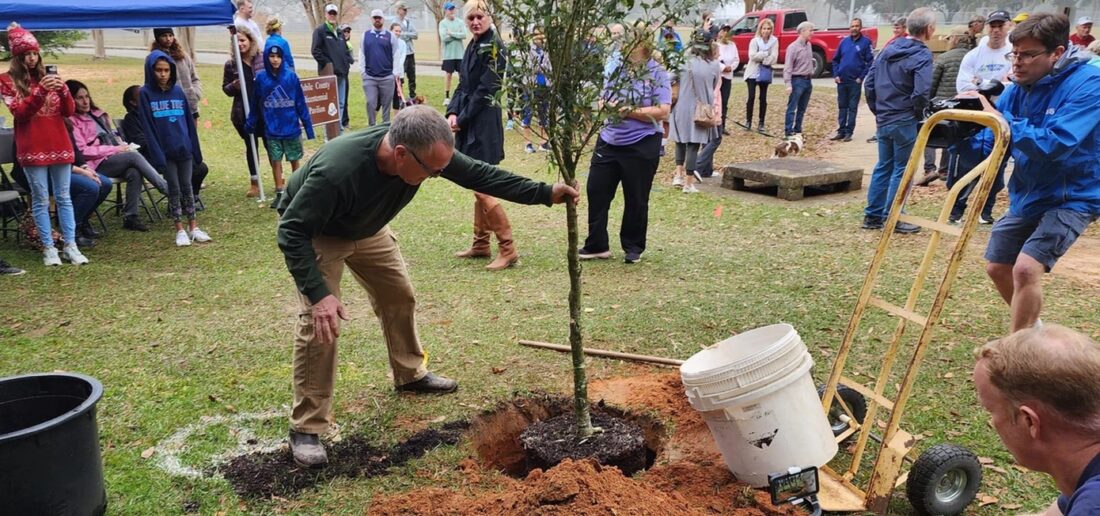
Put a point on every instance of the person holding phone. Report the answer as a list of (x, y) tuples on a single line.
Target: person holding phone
[(39, 102)]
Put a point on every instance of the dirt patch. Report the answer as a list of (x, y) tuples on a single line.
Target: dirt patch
[(689, 476), (1082, 262), (572, 488), (275, 474), (618, 442), (495, 434)]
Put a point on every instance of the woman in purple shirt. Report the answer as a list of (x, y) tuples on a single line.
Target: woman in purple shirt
[(628, 151)]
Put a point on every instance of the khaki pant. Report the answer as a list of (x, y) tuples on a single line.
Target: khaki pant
[(377, 265)]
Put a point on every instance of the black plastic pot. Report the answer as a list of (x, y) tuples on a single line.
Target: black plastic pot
[(50, 461)]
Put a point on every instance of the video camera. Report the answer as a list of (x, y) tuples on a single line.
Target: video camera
[(950, 132)]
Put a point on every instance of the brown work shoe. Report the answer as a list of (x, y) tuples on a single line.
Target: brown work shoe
[(307, 450), (253, 190), (430, 384)]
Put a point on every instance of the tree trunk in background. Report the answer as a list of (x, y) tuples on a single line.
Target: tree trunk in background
[(100, 45), (754, 5)]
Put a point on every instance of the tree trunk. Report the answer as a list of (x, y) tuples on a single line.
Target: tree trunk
[(580, 380), (754, 5), (100, 46)]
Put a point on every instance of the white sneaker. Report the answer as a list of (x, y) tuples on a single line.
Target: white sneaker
[(984, 221), (200, 236), (50, 258), (690, 189), (181, 239), (73, 254), (447, 102), (677, 180)]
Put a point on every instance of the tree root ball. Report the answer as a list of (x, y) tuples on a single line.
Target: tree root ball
[(621, 443)]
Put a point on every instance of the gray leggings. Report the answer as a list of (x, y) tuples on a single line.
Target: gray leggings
[(687, 154), (178, 174), (131, 167), (379, 94)]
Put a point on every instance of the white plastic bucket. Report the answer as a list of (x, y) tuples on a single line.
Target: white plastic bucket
[(756, 395)]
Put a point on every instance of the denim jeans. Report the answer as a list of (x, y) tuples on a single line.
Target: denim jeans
[(87, 195), (964, 161), (895, 144), (40, 179), (342, 94), (796, 105), (847, 103)]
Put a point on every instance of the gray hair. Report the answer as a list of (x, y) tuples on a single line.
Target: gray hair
[(805, 25), (419, 127), (919, 21)]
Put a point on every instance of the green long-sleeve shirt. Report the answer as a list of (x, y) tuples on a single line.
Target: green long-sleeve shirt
[(452, 33), (340, 192)]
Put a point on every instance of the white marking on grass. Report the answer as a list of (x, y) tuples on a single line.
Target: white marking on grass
[(170, 449)]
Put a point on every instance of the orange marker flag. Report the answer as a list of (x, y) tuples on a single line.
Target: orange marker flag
[(718, 211), (205, 102), (207, 124)]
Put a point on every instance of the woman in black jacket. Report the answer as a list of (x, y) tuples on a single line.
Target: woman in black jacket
[(479, 132), (231, 86)]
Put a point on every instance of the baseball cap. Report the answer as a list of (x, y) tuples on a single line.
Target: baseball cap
[(400, 5), (1020, 17), (1084, 20), (331, 8), (377, 13), (998, 16), (275, 49), (345, 27), (448, 6)]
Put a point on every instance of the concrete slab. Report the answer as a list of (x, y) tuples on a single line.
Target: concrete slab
[(791, 176)]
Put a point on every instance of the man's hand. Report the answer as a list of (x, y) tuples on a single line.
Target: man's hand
[(986, 106), (836, 79), (327, 314), (453, 120), (789, 89), (563, 192)]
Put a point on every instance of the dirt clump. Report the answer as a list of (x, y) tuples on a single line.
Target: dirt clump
[(618, 442), (263, 475)]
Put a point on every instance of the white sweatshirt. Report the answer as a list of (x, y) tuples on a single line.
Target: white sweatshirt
[(983, 63), (727, 55)]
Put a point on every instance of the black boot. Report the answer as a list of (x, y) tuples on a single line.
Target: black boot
[(87, 231), (133, 223)]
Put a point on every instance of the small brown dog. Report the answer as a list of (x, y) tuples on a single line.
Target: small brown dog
[(790, 146)]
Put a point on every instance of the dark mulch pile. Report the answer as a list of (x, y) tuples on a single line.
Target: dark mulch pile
[(621, 442), (264, 475)]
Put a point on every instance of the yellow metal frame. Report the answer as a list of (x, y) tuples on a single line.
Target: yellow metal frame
[(838, 492)]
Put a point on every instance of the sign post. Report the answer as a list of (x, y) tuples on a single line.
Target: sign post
[(324, 104)]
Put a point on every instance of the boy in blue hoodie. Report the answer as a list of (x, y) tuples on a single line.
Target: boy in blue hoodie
[(284, 106), (171, 140)]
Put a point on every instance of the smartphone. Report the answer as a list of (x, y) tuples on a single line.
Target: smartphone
[(51, 69)]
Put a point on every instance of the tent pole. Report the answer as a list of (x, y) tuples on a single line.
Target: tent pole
[(244, 101)]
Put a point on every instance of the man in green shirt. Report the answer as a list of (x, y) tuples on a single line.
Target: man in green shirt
[(452, 33), (335, 212)]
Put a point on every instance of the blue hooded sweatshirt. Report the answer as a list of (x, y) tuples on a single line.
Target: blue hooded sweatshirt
[(279, 94), (1055, 139), (899, 85), (166, 120), (853, 58)]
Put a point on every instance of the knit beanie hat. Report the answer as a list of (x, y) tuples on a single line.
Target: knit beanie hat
[(162, 31), (20, 40)]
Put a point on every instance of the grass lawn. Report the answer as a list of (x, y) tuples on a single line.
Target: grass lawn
[(200, 335)]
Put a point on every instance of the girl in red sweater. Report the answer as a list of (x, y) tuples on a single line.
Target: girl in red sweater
[(39, 102)]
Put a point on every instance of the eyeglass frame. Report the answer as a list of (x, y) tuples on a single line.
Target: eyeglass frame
[(426, 168), (1014, 57)]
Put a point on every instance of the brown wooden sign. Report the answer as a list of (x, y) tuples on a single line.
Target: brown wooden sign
[(322, 99)]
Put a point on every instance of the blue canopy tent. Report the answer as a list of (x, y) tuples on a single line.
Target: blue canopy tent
[(119, 14), (115, 14)]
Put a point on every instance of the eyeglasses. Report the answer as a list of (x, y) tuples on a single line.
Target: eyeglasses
[(1024, 57), (431, 173), (473, 17)]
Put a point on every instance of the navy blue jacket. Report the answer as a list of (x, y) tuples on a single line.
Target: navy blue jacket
[(1055, 139), (853, 58), (279, 96), (166, 118), (899, 85)]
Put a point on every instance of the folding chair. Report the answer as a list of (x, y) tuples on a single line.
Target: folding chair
[(12, 197)]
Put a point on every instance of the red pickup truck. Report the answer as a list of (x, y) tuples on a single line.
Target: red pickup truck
[(824, 42)]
